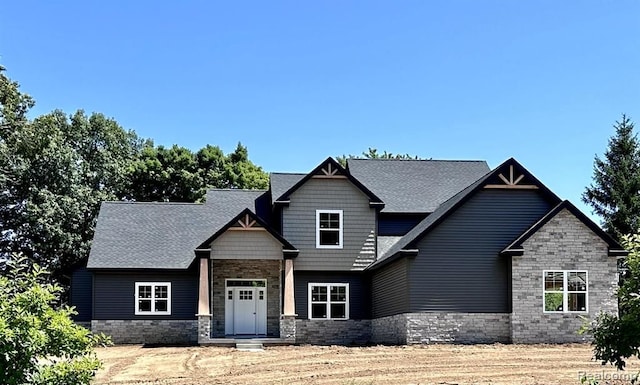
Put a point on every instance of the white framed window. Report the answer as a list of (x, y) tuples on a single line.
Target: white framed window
[(328, 301), (565, 291), (329, 229), (153, 298)]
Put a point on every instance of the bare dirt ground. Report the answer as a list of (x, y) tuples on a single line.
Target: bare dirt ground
[(433, 364)]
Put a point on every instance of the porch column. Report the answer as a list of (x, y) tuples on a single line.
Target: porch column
[(289, 301), (203, 292)]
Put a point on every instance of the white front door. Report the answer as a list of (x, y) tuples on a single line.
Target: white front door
[(246, 307), (244, 310)]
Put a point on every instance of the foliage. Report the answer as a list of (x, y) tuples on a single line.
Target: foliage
[(55, 171), (177, 174), (61, 168), (39, 343), (373, 153), (616, 182), (617, 337)]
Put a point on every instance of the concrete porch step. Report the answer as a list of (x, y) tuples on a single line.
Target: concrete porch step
[(249, 346)]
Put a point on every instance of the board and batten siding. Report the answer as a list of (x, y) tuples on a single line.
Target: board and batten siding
[(359, 293), (114, 294), (246, 244), (390, 289), (458, 267), (299, 223)]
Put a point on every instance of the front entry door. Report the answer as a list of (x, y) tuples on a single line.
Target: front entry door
[(246, 307), (244, 310)]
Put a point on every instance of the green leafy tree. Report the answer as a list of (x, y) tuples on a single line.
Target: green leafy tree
[(39, 343), (372, 153), (615, 192), (60, 169), (616, 337), (177, 174)]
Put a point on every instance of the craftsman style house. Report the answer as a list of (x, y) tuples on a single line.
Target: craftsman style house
[(382, 251)]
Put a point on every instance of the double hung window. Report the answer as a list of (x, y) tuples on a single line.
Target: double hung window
[(329, 229), (153, 298), (328, 301)]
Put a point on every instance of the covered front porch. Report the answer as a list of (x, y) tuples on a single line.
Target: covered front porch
[(246, 285)]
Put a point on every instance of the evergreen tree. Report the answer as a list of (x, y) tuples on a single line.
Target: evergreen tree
[(614, 193)]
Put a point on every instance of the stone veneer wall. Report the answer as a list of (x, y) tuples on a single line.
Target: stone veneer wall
[(148, 331), (246, 269), (333, 332), (442, 327), (391, 330), (563, 243), (462, 328)]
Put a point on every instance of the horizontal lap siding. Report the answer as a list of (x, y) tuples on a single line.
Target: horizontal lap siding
[(397, 224), (458, 267), (359, 293), (81, 294), (114, 294), (248, 244), (299, 223), (390, 289)]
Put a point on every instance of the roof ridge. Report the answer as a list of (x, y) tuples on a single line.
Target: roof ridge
[(420, 160), (152, 203), (288, 173)]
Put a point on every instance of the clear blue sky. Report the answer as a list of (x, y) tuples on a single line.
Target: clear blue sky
[(541, 81)]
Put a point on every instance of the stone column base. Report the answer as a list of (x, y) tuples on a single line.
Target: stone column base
[(288, 328), (204, 328)]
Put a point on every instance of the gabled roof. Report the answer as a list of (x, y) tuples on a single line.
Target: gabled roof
[(415, 186), (162, 235), (329, 168), (516, 247), (406, 245), (280, 182), (247, 213)]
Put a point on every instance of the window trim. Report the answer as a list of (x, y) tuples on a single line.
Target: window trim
[(565, 292), (340, 230), (153, 305), (328, 303)]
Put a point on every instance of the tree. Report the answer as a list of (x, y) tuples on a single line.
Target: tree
[(616, 337), (179, 175), (61, 168), (614, 194), (39, 343), (372, 153)]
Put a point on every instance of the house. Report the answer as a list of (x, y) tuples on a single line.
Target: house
[(382, 251)]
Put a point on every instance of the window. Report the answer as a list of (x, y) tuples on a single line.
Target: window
[(328, 301), (565, 292), (153, 298), (329, 229)]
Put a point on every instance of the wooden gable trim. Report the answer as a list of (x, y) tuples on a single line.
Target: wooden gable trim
[(512, 182), (330, 169)]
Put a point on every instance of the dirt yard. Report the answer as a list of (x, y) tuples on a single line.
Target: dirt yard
[(435, 364)]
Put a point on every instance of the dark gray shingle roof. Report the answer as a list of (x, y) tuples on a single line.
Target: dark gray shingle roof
[(282, 182), (132, 235), (450, 205), (415, 186), (429, 221)]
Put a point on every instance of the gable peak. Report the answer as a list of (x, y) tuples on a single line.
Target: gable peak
[(512, 175)]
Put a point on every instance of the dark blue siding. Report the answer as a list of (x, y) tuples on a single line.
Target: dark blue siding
[(81, 294), (459, 267), (114, 294), (390, 289), (359, 293), (398, 224)]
